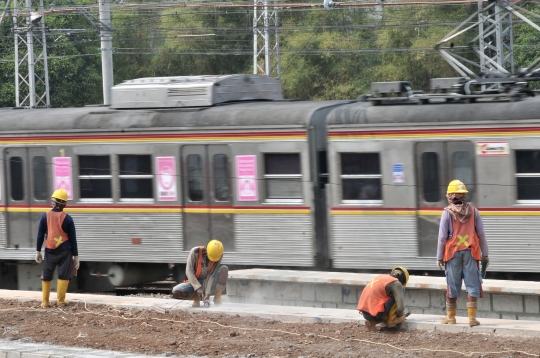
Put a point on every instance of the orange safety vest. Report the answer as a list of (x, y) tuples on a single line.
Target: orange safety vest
[(374, 295), (55, 235), (199, 264), (463, 237)]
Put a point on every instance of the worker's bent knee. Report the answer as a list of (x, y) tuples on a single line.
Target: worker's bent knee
[(180, 295)]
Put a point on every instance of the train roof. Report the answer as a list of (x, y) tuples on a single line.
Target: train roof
[(256, 114), (360, 113)]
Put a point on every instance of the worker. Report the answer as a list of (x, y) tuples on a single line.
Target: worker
[(461, 245), (60, 248), (382, 302), (205, 275)]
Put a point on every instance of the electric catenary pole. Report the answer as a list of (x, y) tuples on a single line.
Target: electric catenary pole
[(266, 39), (31, 68), (106, 49)]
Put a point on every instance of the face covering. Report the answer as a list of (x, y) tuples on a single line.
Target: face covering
[(458, 208)]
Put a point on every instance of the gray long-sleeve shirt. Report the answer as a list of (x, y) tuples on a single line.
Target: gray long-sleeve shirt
[(446, 231), (396, 289), (206, 278)]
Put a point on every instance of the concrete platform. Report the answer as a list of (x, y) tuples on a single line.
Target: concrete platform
[(517, 300)]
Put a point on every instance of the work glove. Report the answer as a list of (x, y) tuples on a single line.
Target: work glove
[(440, 264), (39, 258), (200, 292), (485, 258), (76, 262)]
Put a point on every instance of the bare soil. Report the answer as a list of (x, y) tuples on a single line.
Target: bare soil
[(219, 335)]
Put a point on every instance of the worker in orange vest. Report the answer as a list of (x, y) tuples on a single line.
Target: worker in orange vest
[(57, 230), (461, 246), (206, 275), (382, 299)]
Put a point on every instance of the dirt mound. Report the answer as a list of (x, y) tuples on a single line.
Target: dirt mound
[(157, 331)]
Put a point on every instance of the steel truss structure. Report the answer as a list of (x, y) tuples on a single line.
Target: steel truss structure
[(31, 67), (494, 43), (266, 59)]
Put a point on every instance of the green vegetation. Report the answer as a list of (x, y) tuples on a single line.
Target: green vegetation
[(324, 54)]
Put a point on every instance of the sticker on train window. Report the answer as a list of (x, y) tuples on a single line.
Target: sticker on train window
[(62, 175), (166, 175), (492, 149), (246, 174)]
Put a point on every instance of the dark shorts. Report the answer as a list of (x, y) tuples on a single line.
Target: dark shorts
[(381, 315), (61, 259)]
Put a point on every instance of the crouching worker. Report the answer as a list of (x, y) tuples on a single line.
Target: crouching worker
[(382, 299), (206, 275)]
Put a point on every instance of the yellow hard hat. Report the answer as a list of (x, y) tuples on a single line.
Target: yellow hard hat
[(214, 250), (456, 187), (60, 195), (404, 270)]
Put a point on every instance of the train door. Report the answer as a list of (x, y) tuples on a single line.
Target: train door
[(28, 173), (437, 164), (207, 195)]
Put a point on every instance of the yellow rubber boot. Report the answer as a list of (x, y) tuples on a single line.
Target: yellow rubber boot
[(217, 297), (61, 290), (450, 318), (196, 300), (392, 319), (471, 311), (45, 292)]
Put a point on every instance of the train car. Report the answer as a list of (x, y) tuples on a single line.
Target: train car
[(390, 165), (173, 164)]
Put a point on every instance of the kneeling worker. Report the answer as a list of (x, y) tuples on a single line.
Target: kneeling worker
[(205, 275), (382, 299)]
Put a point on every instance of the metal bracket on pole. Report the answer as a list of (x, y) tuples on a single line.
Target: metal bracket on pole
[(266, 58), (493, 45)]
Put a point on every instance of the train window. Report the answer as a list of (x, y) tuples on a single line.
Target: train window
[(136, 179), (16, 178), (41, 185), (462, 168), (283, 177), (430, 176), (221, 177), (195, 177), (528, 174), (361, 177), (95, 177)]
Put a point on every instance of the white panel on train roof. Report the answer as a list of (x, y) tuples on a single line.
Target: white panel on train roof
[(194, 91)]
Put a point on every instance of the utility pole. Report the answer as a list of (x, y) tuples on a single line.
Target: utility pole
[(106, 49), (266, 59), (31, 67)]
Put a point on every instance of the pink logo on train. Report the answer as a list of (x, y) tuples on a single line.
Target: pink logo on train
[(166, 177), (62, 175), (246, 174)]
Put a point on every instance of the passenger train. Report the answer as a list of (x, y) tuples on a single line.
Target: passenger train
[(341, 185)]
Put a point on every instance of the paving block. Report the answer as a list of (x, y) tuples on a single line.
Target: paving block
[(509, 316), (437, 299), (484, 304), (485, 314), (288, 291), (528, 318), (231, 288), (347, 306), (35, 355), (13, 354), (416, 298), (349, 294), (3, 354), (437, 311), (255, 289), (329, 305), (416, 310), (289, 303), (507, 303), (308, 292), (531, 304), (328, 293)]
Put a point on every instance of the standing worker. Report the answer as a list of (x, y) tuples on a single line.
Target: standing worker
[(60, 248), (461, 245), (206, 275), (382, 299)]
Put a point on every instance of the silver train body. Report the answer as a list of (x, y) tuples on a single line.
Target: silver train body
[(302, 184)]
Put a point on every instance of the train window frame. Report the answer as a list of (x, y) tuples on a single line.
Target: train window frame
[(43, 182), (109, 176), (191, 179), (16, 183), (370, 176), (216, 180), (147, 176), (518, 175), (283, 176)]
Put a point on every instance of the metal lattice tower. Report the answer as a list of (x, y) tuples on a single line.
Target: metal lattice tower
[(494, 43), (31, 68), (266, 39)]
